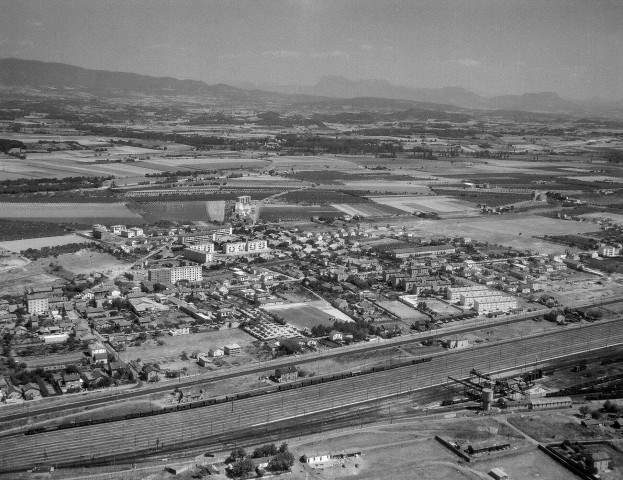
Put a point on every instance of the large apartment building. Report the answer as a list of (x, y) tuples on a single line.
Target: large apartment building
[(252, 246), (454, 293), (192, 273), (37, 303), (198, 256)]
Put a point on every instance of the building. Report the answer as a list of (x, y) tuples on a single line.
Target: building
[(234, 247), (38, 303), (336, 336), (232, 349), (286, 374), (485, 305), (454, 293), (202, 247), (216, 352), (607, 251), (550, 402), (192, 273), (498, 474), (203, 359), (159, 275), (600, 461), (201, 257), (311, 459), (205, 236), (181, 329), (55, 338), (429, 250), (117, 229)]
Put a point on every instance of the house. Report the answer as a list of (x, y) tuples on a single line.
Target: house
[(286, 374), (181, 329), (599, 461), (232, 349), (14, 394), (115, 368), (150, 372), (216, 352), (312, 459), (72, 381), (336, 336), (31, 391)]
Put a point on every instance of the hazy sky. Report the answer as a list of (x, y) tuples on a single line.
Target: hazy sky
[(574, 48)]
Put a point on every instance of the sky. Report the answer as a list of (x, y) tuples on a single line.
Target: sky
[(492, 47)]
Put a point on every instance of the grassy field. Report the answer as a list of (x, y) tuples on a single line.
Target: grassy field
[(18, 229), (88, 261), (169, 355), (272, 213)]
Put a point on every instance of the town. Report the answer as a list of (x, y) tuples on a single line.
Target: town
[(304, 240)]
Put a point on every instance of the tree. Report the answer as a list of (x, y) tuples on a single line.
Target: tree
[(236, 454), (281, 462), (585, 410), (283, 447), (241, 467)]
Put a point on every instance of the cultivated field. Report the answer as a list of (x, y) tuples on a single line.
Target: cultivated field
[(88, 213), (404, 312), (19, 245), (437, 204), (367, 209)]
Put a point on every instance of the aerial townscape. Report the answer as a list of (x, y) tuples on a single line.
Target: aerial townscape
[(213, 278)]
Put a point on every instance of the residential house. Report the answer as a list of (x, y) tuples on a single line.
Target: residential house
[(232, 349), (286, 374), (336, 336)]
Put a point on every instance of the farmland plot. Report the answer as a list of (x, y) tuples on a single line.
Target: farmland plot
[(367, 209), (87, 213), (438, 204)]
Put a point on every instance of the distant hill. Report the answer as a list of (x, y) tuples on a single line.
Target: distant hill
[(359, 94), (59, 76), (545, 102)]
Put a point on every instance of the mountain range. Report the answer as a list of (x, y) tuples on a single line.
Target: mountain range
[(57, 76)]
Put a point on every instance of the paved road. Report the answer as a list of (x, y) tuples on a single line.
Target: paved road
[(144, 434)]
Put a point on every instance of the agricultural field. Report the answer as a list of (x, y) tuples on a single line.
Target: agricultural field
[(367, 209), (187, 211), (83, 213), (18, 229), (438, 204), (321, 197), (274, 213)]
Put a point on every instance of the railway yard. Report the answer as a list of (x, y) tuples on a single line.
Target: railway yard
[(135, 438)]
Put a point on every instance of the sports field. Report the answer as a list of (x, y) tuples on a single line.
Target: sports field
[(304, 316)]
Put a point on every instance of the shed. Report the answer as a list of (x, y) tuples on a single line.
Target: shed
[(498, 474)]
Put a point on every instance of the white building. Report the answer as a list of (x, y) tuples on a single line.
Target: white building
[(490, 305), (37, 304), (192, 273), (607, 251), (454, 293)]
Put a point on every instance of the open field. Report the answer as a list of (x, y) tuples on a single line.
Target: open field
[(318, 305), (404, 312), (303, 316), (19, 245), (88, 261), (169, 354)]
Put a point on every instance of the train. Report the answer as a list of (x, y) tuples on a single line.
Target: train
[(306, 382)]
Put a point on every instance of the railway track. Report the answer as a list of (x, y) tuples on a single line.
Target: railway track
[(141, 436)]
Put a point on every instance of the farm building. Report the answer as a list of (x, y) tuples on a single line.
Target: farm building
[(498, 474)]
